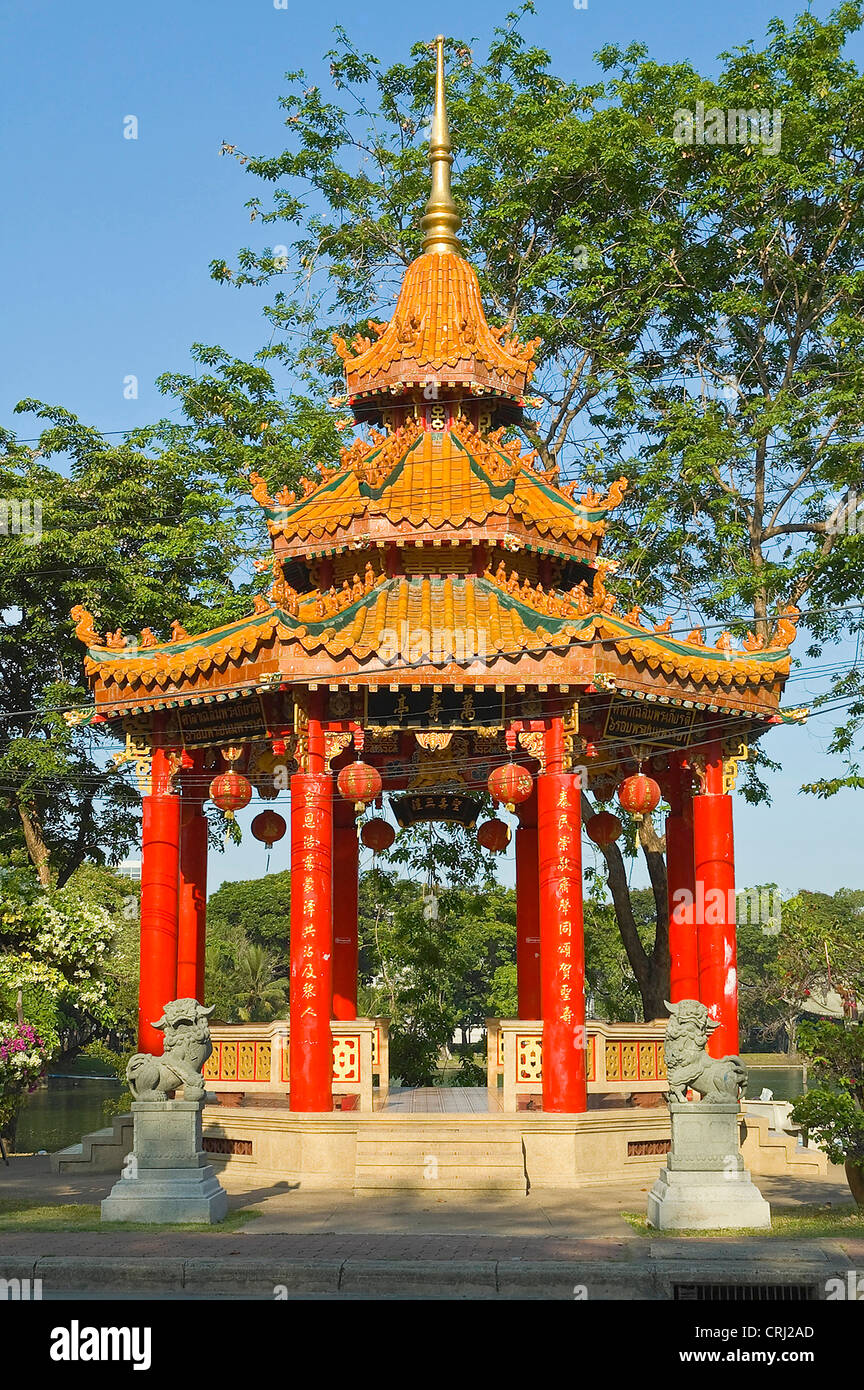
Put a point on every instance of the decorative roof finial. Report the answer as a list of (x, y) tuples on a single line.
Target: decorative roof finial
[(442, 221)]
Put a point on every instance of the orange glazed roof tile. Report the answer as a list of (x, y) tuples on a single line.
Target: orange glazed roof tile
[(488, 616), (441, 481), (439, 330), (438, 333)]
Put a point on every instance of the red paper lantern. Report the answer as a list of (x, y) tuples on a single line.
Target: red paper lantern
[(230, 791), (510, 784), (360, 783), (377, 835), (639, 795), (493, 835), (603, 828), (268, 827)]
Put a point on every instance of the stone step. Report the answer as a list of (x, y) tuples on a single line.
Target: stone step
[(440, 1161), (771, 1153), (100, 1151)]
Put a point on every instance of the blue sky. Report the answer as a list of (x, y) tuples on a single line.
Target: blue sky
[(106, 241)]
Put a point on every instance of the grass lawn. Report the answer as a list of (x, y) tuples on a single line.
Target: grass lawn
[(31, 1216), (813, 1221)]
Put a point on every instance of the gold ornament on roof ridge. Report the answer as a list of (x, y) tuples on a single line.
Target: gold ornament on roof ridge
[(441, 221)]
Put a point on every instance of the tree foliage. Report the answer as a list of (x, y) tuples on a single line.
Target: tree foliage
[(832, 1112), (700, 306)]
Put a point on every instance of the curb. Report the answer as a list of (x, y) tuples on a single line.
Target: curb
[(647, 1279)]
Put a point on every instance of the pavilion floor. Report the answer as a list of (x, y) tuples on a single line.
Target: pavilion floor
[(441, 1100), (449, 1139)]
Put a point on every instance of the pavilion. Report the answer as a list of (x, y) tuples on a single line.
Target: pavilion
[(439, 608)]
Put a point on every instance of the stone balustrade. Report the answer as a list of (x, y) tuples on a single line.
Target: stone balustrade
[(253, 1059), (622, 1058)]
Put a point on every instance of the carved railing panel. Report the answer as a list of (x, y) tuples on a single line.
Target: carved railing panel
[(621, 1058)]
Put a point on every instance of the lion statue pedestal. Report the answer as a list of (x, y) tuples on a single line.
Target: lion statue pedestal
[(704, 1185), (167, 1178)]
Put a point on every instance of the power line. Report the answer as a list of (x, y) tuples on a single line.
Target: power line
[(398, 770)]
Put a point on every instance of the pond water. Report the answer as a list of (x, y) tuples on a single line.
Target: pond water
[(787, 1083), (61, 1111)]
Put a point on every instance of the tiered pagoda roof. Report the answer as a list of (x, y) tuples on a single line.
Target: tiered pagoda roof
[(416, 482), (438, 333), (438, 524)]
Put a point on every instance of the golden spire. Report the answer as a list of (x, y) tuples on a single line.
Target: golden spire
[(442, 221)]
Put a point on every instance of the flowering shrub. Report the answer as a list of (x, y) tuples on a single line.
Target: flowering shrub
[(23, 1057), (54, 947)]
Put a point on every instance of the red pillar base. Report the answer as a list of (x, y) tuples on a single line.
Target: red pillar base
[(311, 1044), (562, 952)]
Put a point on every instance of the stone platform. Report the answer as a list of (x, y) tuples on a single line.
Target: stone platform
[(458, 1133), (415, 1143)]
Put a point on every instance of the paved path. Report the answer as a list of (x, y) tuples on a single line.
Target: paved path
[(474, 1245)]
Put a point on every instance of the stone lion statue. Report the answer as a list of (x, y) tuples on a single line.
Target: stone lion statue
[(187, 1047), (688, 1064)]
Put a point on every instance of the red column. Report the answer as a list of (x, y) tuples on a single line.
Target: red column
[(562, 952), (160, 852), (528, 911), (192, 924), (714, 857), (681, 889), (346, 855), (311, 1043)]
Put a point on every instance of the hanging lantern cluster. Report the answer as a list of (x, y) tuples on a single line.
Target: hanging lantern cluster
[(230, 791), (603, 828), (639, 795), (493, 835), (361, 783), (510, 784), (268, 827), (377, 835)]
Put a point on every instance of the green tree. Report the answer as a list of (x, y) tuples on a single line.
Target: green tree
[(700, 306), (260, 908), (832, 1111), (439, 853), (433, 964), (812, 948), (609, 978), (136, 532), (819, 949), (259, 994)]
